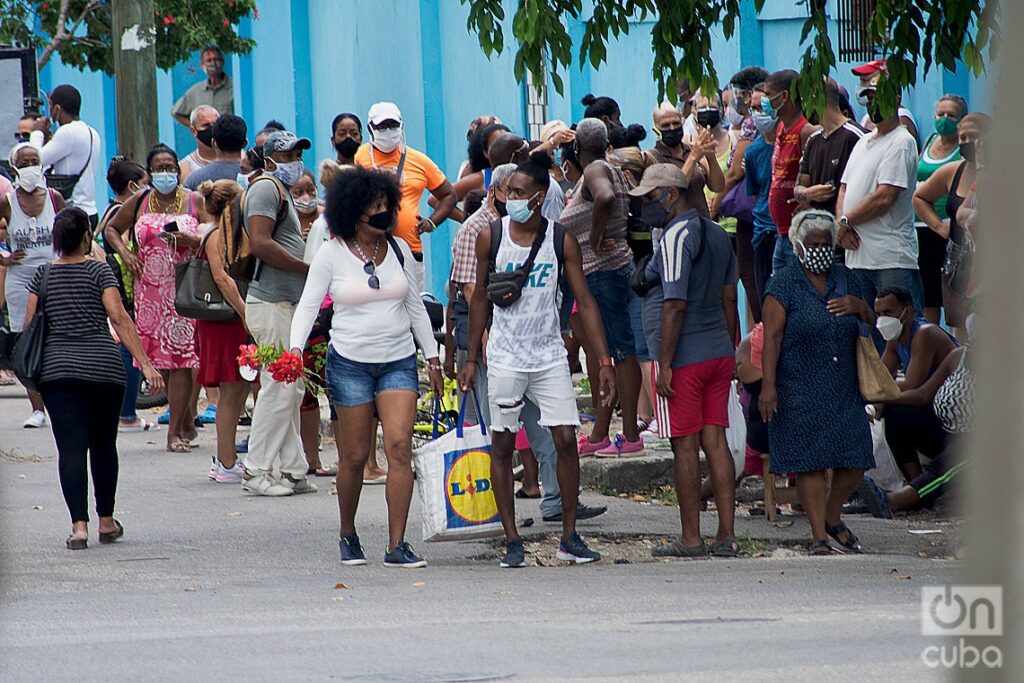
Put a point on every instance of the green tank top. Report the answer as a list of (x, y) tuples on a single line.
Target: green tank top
[(927, 165)]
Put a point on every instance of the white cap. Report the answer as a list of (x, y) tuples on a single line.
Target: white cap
[(384, 111)]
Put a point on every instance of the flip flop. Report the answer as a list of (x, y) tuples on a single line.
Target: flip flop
[(142, 425), (378, 480), (179, 447), (111, 536), (76, 543), (323, 472), (522, 494)]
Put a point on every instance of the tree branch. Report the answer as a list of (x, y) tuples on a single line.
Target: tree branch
[(62, 35)]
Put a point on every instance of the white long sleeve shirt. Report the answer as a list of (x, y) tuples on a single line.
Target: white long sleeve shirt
[(369, 325)]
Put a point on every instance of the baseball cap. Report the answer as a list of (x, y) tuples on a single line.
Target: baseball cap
[(384, 111), (869, 68), (552, 127), (659, 175), (284, 141)]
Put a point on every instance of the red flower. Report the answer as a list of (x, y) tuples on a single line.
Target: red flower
[(168, 20), (256, 12), (226, 23), (230, 4)]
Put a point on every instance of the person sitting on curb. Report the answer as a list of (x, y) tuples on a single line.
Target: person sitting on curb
[(919, 349)]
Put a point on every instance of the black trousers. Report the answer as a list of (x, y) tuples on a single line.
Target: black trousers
[(745, 265), (84, 417), (910, 430)]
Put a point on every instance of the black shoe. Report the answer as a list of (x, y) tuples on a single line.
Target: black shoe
[(515, 555), (242, 446), (576, 550), (404, 557), (582, 512)]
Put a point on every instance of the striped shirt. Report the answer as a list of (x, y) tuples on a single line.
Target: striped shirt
[(78, 345), (578, 218)]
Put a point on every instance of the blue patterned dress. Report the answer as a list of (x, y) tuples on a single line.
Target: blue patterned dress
[(821, 423)]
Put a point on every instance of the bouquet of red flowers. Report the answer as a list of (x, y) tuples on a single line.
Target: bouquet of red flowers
[(283, 366)]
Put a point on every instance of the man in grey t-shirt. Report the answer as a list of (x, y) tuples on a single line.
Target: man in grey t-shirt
[(276, 241), (229, 139), (691, 321)]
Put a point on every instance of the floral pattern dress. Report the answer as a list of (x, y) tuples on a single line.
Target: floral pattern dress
[(167, 338)]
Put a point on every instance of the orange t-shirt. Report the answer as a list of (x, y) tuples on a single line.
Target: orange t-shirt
[(418, 174)]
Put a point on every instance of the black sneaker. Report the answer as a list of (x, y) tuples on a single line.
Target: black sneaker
[(403, 556), (582, 512), (515, 555), (575, 550), (351, 551)]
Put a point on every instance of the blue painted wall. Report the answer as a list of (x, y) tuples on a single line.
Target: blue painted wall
[(316, 58)]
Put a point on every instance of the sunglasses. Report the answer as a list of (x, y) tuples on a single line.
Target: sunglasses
[(370, 269), (21, 137)]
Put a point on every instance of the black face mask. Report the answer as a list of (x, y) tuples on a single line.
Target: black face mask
[(673, 137), (708, 118), (875, 113), (380, 221), (499, 206), (205, 136), (654, 214), (347, 148), (969, 151)]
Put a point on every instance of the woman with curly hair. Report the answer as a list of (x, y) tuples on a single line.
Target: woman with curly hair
[(371, 360)]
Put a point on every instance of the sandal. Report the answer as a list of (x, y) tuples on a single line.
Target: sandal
[(142, 425), (852, 543), (111, 536), (522, 494), (677, 549), (726, 547), (76, 543), (820, 549), (179, 446), (323, 472)]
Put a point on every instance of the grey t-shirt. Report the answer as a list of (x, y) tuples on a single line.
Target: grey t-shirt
[(270, 284), (705, 333), (215, 170)]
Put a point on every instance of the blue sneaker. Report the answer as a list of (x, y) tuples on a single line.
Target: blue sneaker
[(575, 550), (242, 446), (403, 556), (165, 419), (515, 555), (351, 552), (208, 416)]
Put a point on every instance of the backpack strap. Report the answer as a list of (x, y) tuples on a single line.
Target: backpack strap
[(559, 248), (397, 249), (496, 233)]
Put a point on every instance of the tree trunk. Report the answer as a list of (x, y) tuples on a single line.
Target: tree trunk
[(135, 76)]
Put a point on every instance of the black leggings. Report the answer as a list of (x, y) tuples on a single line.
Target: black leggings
[(84, 417), (913, 429), (745, 265)]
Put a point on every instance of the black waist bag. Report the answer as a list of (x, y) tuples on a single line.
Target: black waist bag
[(505, 288)]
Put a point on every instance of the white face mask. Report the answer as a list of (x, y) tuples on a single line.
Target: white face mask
[(388, 139), (889, 327), (30, 178)]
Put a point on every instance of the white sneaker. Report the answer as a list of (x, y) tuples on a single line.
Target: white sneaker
[(229, 475), (264, 485), (212, 474), (298, 486), (651, 433), (36, 420)]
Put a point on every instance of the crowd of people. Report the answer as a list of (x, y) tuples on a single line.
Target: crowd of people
[(836, 230)]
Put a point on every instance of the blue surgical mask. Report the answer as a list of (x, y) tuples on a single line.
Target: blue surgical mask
[(763, 122), (519, 209), (769, 108), (288, 172), (242, 180), (164, 182), (558, 156)]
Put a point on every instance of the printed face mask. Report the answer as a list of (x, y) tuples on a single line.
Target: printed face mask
[(306, 204), (817, 259), (288, 172)]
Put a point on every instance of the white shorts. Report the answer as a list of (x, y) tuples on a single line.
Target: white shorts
[(551, 390)]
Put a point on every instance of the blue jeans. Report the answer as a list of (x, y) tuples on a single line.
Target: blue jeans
[(131, 389), (540, 441), (352, 383), (636, 320), (783, 256), (612, 293), (874, 281)]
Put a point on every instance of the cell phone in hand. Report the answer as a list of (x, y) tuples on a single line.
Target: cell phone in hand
[(171, 227)]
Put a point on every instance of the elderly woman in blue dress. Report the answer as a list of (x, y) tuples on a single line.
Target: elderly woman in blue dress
[(810, 395)]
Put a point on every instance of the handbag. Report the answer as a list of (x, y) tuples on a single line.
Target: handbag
[(196, 294), (27, 358), (873, 378), (65, 184), (738, 204)]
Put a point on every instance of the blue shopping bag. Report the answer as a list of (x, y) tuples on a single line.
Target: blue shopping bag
[(453, 480)]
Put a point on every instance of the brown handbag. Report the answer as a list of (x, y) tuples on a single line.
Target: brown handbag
[(876, 383)]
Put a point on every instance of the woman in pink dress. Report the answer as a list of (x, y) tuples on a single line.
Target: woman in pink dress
[(165, 233)]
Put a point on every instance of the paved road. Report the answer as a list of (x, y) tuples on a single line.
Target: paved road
[(209, 584)]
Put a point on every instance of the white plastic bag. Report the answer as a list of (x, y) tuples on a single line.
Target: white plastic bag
[(736, 433), (453, 478), (886, 472)]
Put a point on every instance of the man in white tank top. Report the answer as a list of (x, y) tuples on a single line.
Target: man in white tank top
[(526, 357)]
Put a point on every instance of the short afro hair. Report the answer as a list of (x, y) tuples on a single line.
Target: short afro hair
[(67, 98), (229, 132), (537, 169), (902, 295), (349, 195)]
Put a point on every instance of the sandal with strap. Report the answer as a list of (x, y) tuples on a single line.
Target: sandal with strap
[(852, 543), (76, 543), (725, 547), (820, 549), (111, 536), (677, 549)]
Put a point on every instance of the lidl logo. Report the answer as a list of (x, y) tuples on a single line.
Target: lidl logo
[(469, 496)]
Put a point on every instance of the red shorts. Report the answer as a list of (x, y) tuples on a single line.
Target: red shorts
[(701, 397)]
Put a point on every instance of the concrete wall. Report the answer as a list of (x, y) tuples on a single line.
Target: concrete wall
[(316, 58)]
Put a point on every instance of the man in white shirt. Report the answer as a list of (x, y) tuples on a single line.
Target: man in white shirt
[(876, 224), (74, 149)]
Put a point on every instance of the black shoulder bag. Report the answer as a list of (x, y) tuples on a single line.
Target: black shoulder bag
[(505, 288), (197, 295), (65, 184), (27, 358)]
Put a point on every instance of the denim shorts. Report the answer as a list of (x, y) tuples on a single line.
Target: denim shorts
[(636, 321), (351, 383), (612, 292)]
